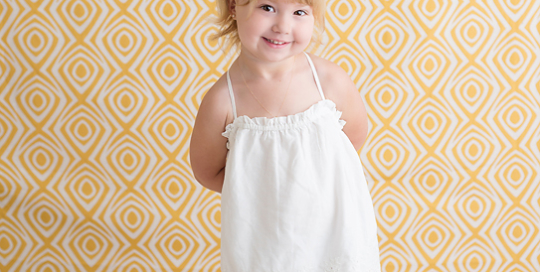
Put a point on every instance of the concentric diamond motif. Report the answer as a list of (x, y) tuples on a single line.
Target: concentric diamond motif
[(515, 115), (176, 243), (169, 14), (473, 148), (36, 39), (515, 56), (132, 216), (515, 174), (429, 122), (474, 256), (86, 188), (169, 68), (472, 30), (83, 130), (428, 64), (432, 179), (392, 210), (45, 216), (172, 188), (433, 236), (517, 230), (471, 90), (126, 100), (388, 36), (41, 158), (474, 205), (124, 40), (83, 70), (92, 246), (345, 13), (387, 95), (38, 100), (430, 12), (389, 154), (167, 128), (129, 160), (79, 14)]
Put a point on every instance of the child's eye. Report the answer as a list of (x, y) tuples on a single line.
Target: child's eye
[(267, 8), (302, 13)]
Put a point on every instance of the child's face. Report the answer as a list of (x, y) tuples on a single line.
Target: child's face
[(277, 20)]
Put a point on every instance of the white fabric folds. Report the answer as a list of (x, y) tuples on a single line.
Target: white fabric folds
[(295, 197)]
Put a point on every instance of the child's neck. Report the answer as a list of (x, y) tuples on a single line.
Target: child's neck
[(266, 70)]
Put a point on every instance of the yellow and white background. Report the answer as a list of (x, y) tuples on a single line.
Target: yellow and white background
[(98, 99)]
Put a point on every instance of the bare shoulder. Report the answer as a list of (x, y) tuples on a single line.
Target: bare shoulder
[(338, 86), (216, 102), (335, 82)]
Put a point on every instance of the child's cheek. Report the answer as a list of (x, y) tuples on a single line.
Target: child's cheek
[(306, 33)]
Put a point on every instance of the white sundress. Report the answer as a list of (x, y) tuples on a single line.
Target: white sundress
[(294, 196)]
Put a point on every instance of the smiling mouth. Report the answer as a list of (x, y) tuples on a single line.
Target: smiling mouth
[(274, 42)]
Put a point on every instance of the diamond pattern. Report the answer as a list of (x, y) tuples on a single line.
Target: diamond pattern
[(98, 100)]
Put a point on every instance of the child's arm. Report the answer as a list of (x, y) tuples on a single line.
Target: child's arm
[(354, 113), (339, 87), (208, 150)]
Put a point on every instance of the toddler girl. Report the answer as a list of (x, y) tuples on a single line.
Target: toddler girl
[(268, 137)]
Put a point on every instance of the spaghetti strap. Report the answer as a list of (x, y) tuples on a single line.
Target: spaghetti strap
[(315, 76), (231, 94)]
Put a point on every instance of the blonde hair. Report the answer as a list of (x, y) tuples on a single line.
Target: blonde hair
[(229, 30)]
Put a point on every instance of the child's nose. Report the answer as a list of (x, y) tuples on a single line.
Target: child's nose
[(282, 25)]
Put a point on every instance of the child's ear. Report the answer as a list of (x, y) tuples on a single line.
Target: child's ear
[(232, 7)]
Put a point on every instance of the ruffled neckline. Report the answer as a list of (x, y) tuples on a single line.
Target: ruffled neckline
[(288, 121)]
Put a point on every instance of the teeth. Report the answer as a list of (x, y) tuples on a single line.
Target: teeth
[(274, 42)]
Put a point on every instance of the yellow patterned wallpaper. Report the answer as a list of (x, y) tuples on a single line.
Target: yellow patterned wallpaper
[(97, 101)]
